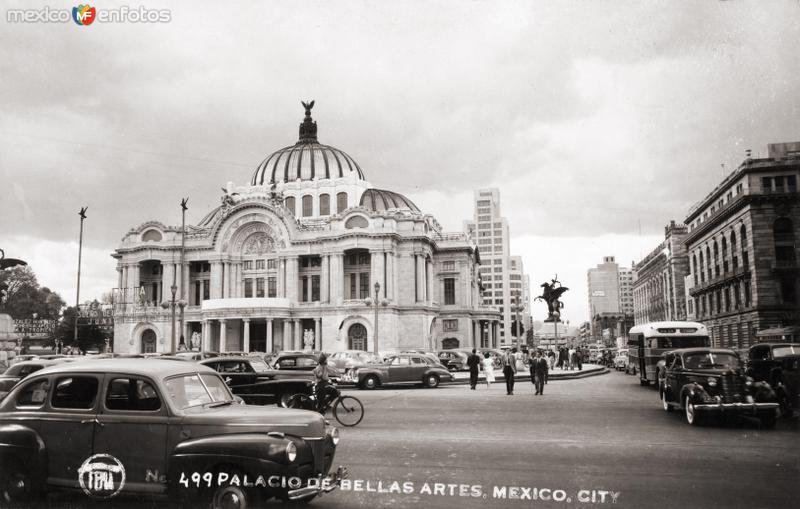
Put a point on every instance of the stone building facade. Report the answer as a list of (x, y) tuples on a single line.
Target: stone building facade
[(743, 249), (659, 279), (293, 260)]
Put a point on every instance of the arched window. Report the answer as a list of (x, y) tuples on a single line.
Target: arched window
[(745, 255), (289, 204), (709, 263), (341, 202), (357, 337), (356, 222), (694, 267), (149, 341), (724, 255), (308, 205), (151, 235), (324, 204), (701, 268), (734, 253), (716, 259)]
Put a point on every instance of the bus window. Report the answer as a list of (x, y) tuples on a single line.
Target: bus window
[(679, 342)]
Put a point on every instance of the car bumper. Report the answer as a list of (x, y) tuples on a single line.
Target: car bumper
[(320, 485), (738, 407)]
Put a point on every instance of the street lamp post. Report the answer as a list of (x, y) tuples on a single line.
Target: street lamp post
[(183, 247), (376, 302), (82, 213), (172, 304)]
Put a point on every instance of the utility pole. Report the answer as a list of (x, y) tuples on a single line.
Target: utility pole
[(82, 213), (183, 248)]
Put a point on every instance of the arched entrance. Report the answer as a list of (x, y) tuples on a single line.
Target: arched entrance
[(149, 341), (448, 343), (357, 337)]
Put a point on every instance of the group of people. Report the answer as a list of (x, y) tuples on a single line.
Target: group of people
[(512, 362), (569, 358)]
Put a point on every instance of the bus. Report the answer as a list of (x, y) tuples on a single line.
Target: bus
[(647, 342)]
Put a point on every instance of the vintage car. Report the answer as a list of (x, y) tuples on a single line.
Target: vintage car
[(703, 381), (454, 360), (258, 384), (20, 370), (778, 364), (348, 360), (197, 356), (621, 360), (166, 429), (402, 369)]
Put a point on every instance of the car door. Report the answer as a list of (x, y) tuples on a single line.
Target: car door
[(399, 369), (417, 368), (674, 374), (132, 426), (68, 428)]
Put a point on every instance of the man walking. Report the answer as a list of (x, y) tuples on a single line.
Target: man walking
[(539, 372), (509, 370), (473, 362)]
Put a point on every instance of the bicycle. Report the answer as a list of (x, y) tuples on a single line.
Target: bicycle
[(347, 410)]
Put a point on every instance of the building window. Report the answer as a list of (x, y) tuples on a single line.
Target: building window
[(260, 264), (272, 287), (315, 288), (289, 204), (308, 205), (449, 291), (324, 204), (449, 265), (783, 236), (363, 287), (260, 288), (247, 265), (341, 202), (449, 325), (272, 264), (747, 294), (248, 288)]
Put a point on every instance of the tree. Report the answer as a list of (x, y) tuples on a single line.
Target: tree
[(90, 337), (23, 297)]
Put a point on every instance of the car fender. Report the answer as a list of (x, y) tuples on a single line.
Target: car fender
[(23, 444), (251, 453), (695, 392), (364, 373)]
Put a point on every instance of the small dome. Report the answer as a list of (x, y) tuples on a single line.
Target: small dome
[(379, 200), (305, 160)]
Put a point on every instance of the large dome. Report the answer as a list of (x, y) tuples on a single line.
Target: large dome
[(380, 200), (305, 160)]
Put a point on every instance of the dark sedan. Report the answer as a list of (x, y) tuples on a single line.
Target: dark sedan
[(778, 364), (402, 369)]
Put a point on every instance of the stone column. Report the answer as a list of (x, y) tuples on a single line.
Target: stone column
[(166, 283), (420, 263), (317, 332), (378, 266), (324, 286), (206, 341), (282, 278), (396, 264), (135, 277), (215, 281), (202, 292), (223, 345), (226, 280), (298, 336), (270, 341), (292, 281), (476, 333), (337, 278), (246, 345), (429, 281), (389, 259), (286, 335)]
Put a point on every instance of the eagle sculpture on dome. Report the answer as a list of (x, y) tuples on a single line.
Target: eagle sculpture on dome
[(308, 107)]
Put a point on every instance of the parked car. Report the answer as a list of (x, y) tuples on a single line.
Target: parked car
[(346, 361), (154, 428), (621, 360), (258, 384), (197, 356), (703, 381), (401, 369), (20, 370), (778, 364), (454, 360)]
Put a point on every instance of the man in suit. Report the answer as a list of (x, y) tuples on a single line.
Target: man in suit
[(539, 367), (473, 362), (509, 370)]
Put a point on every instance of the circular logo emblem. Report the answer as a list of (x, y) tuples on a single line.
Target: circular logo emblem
[(101, 476)]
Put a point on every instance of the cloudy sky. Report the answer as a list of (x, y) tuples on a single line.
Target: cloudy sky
[(598, 121)]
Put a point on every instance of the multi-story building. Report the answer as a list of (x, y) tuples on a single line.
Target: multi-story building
[(659, 279), (300, 257), (519, 283), (490, 231), (610, 297), (743, 250)]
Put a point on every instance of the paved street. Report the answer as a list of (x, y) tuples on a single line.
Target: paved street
[(604, 433)]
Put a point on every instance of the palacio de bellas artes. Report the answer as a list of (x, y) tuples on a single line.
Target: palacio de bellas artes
[(298, 257)]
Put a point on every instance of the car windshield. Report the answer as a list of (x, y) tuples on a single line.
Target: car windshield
[(711, 360), (196, 389), (785, 351)]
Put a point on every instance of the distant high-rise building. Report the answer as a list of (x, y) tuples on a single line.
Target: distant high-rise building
[(489, 230), (610, 297)]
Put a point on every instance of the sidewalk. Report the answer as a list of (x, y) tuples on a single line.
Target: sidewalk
[(555, 374)]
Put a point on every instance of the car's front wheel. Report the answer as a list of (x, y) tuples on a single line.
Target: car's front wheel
[(16, 485), (230, 497), (432, 381), (370, 382), (692, 416), (664, 402)]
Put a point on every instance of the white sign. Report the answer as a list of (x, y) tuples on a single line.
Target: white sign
[(101, 476)]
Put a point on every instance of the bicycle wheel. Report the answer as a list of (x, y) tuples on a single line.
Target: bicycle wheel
[(348, 410)]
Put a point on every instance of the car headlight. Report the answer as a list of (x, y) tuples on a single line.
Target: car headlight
[(291, 452), (335, 436), (712, 382)]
